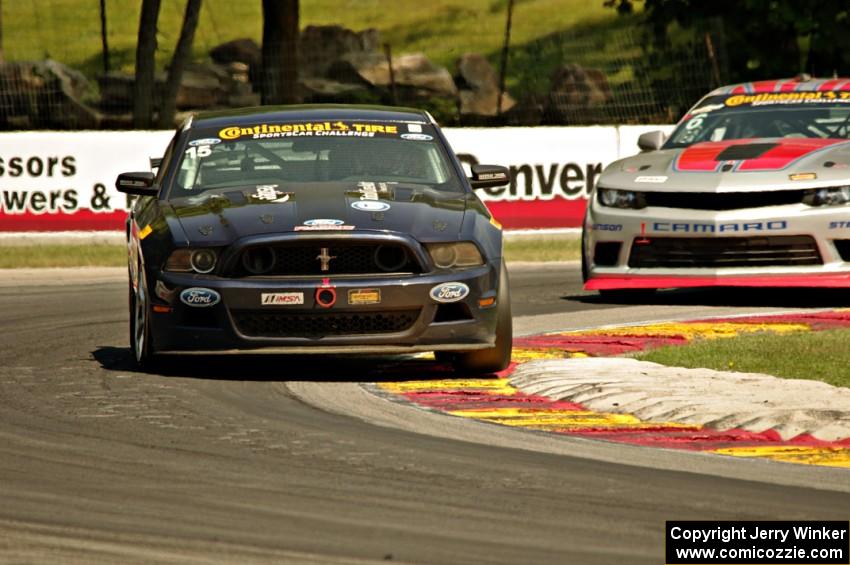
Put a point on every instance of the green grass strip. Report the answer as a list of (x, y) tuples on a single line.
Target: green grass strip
[(822, 355), (21, 256), (541, 248)]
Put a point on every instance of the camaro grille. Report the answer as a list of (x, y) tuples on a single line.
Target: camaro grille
[(318, 258), (255, 323), (721, 252), (723, 201)]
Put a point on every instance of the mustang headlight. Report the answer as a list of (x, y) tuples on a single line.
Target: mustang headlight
[(830, 196), (448, 255), (620, 198), (200, 261)]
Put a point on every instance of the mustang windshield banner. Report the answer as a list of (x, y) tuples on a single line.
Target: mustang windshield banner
[(65, 181)]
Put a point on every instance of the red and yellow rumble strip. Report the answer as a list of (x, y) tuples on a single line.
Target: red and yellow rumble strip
[(495, 400)]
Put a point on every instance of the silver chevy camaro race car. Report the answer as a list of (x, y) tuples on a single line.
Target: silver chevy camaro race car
[(752, 188)]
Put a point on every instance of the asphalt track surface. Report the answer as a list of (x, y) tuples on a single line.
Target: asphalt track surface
[(278, 459)]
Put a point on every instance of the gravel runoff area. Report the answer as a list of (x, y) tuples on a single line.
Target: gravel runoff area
[(717, 399)]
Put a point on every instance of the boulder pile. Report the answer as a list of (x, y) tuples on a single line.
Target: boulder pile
[(336, 64)]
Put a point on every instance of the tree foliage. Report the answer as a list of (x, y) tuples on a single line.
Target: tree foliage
[(764, 38)]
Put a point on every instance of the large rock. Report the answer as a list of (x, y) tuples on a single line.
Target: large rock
[(411, 72), (321, 46), (484, 103), (243, 50), (203, 86), (573, 90), (322, 90), (44, 94), (474, 72), (479, 94)]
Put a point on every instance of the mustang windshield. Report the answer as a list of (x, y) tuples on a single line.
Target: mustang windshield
[(309, 152), (773, 114)]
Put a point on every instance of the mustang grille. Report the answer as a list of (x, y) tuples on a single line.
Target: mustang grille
[(724, 201), (320, 324), (307, 259), (725, 252)]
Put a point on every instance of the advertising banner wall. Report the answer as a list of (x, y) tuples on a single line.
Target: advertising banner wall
[(65, 181)]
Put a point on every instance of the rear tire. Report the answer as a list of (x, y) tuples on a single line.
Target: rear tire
[(585, 267), (498, 357), (140, 327)]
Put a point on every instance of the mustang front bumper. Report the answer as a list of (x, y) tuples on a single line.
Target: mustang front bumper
[(399, 314), (790, 245)]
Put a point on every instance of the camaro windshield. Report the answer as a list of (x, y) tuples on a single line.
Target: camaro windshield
[(310, 152), (773, 114)]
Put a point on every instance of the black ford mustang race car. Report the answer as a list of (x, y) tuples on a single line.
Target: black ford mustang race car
[(316, 229)]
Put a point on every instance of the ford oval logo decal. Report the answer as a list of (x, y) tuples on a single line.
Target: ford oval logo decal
[(370, 206), (200, 297), (205, 141), (449, 292), (324, 222)]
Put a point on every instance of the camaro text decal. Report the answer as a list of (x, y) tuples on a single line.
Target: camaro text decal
[(719, 228)]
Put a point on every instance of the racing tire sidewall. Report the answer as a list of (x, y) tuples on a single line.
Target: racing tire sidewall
[(498, 357), (140, 327), (585, 267)]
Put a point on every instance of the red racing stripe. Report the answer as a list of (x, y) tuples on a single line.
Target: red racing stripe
[(785, 153), (81, 220), (818, 280), (535, 214)]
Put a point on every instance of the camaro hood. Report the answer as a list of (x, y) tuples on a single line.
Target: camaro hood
[(225, 215), (735, 166)]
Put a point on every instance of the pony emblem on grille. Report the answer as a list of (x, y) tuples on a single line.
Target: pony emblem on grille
[(325, 257)]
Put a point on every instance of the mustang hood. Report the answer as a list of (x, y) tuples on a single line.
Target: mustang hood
[(735, 165), (222, 216)]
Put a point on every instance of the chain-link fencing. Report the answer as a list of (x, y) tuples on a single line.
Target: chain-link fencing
[(64, 69)]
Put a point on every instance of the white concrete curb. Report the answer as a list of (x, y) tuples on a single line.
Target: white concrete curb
[(717, 399)]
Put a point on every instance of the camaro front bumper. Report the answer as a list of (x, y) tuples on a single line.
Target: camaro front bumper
[(783, 246), (398, 314)]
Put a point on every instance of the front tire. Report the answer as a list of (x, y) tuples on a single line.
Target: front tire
[(498, 357), (140, 326), (585, 266)]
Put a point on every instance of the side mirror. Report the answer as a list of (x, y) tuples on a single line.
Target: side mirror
[(486, 176), (651, 140), (140, 183)]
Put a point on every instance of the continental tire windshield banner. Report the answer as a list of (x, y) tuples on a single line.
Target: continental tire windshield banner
[(65, 181)]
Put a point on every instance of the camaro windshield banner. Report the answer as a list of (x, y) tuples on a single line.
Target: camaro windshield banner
[(65, 181)]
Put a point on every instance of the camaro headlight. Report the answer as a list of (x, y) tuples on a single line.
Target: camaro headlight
[(620, 198), (830, 196), (448, 255), (200, 261)]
